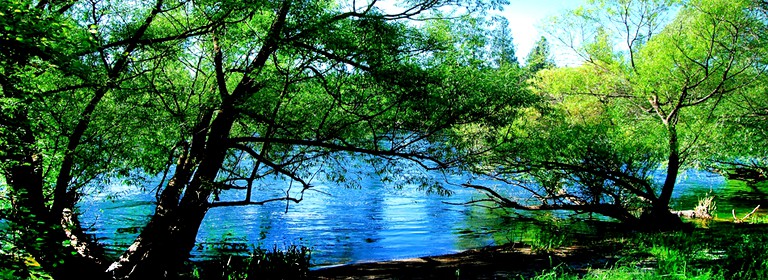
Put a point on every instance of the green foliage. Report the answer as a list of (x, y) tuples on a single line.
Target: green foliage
[(594, 148), (750, 260), (539, 58), (16, 263), (657, 90), (226, 93), (502, 46), (722, 252), (550, 235), (17, 248), (293, 262)]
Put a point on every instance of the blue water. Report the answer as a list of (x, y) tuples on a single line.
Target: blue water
[(341, 225)]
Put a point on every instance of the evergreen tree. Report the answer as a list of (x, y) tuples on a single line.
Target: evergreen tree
[(539, 58), (502, 47)]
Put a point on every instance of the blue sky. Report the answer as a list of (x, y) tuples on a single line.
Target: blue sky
[(525, 17)]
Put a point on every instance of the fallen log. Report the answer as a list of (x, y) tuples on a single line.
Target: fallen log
[(692, 214), (703, 210)]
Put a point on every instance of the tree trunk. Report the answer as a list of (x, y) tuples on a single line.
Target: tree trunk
[(165, 243), (673, 169), (659, 216), (42, 231), (162, 247), (24, 172)]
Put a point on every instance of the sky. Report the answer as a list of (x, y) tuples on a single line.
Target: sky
[(525, 17)]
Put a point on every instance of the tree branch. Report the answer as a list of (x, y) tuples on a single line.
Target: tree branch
[(610, 210), (246, 203), (218, 64), (347, 148), (271, 164)]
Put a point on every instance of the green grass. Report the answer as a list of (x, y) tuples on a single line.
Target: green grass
[(727, 251), (291, 262), (549, 237)]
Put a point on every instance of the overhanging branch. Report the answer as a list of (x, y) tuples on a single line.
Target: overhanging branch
[(610, 210), (348, 148), (271, 164), (246, 203)]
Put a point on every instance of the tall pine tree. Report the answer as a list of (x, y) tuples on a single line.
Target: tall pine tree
[(539, 58)]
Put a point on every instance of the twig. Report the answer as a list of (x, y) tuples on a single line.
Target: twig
[(737, 220)]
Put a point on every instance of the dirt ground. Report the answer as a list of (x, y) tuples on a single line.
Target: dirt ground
[(512, 261)]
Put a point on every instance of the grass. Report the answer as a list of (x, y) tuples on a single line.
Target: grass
[(291, 262), (726, 251)]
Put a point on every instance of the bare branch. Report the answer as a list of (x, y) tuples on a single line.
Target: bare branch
[(271, 164), (246, 203), (737, 220)]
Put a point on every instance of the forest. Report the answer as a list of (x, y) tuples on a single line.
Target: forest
[(237, 105)]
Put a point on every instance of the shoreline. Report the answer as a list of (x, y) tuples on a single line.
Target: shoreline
[(491, 262)]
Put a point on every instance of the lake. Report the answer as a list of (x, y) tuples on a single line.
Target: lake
[(370, 223)]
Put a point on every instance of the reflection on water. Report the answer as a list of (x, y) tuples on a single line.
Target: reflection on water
[(372, 223), (341, 225), (348, 225)]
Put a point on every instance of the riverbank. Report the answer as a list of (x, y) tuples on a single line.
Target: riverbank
[(725, 251), (511, 261)]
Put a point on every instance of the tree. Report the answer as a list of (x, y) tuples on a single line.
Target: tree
[(503, 48), (740, 154), (539, 58), (650, 95), (51, 83), (234, 92)]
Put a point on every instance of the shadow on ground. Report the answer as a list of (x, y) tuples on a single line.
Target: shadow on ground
[(511, 261)]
